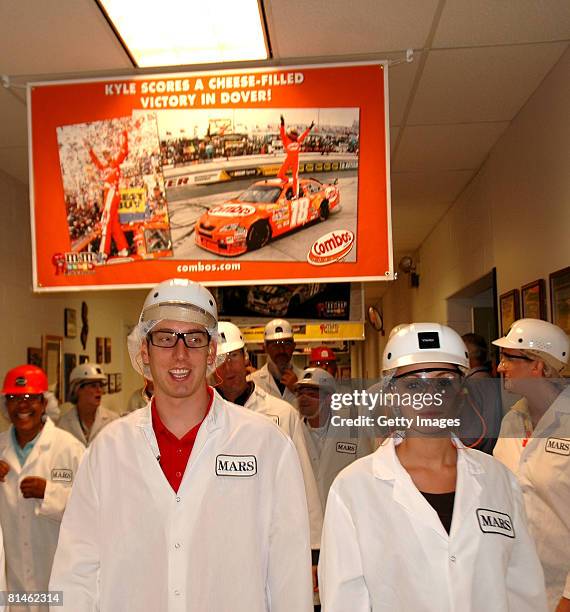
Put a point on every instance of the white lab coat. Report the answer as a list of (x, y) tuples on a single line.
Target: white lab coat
[(264, 380), (384, 547), (288, 420), (2, 568), (235, 537), (70, 422), (341, 447), (31, 526), (543, 471)]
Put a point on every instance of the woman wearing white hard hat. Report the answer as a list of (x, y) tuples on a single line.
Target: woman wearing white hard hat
[(535, 443), (424, 523), (87, 416)]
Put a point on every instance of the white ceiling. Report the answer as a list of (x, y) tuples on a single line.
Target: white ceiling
[(475, 65)]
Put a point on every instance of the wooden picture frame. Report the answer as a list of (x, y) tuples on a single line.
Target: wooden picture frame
[(110, 383), (533, 300), (34, 356), (559, 283), (52, 359), (70, 323), (99, 349), (118, 382), (509, 309), (69, 362), (108, 345)]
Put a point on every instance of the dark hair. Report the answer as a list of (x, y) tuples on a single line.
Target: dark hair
[(479, 351)]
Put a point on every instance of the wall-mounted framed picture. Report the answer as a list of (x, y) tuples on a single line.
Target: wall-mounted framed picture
[(533, 300), (118, 382), (34, 356), (107, 350), (52, 359), (70, 322), (110, 383), (99, 349), (509, 307), (560, 298), (69, 362), (83, 359)]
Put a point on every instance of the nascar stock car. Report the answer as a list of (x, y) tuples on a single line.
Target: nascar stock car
[(266, 210)]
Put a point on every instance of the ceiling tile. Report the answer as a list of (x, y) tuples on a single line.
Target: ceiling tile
[(298, 28), (442, 186), (446, 147), (480, 84), (394, 131), (57, 36), (465, 23), (411, 223)]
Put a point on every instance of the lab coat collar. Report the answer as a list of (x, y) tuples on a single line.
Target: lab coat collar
[(386, 466), (43, 443)]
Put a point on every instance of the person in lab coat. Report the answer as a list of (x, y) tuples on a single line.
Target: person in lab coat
[(424, 523), (535, 443), (191, 503), (234, 387), (331, 447), (279, 375), (38, 464), (87, 416)]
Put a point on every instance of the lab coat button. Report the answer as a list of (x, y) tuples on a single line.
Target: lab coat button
[(452, 558), (178, 499), (177, 592), (177, 545)]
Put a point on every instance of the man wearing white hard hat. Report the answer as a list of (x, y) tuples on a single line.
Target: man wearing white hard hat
[(535, 442), (234, 386), (190, 503), (279, 375), (330, 448), (425, 523), (87, 416)]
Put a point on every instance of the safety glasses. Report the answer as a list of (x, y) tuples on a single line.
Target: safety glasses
[(32, 398), (506, 358), (169, 339)]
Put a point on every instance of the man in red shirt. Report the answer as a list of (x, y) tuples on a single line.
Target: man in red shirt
[(191, 503), (111, 173), (292, 145)]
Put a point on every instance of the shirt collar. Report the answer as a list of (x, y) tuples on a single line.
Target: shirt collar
[(23, 453)]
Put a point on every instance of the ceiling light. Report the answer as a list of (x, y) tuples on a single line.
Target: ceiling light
[(183, 32)]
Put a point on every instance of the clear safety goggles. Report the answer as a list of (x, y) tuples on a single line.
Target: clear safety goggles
[(419, 381), (31, 398)]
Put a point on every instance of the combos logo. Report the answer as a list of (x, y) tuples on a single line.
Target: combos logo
[(331, 247), (74, 263), (232, 210)]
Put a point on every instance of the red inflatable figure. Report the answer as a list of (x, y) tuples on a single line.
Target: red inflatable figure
[(292, 145), (111, 173)]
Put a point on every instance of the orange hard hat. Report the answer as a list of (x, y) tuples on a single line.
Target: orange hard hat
[(25, 379), (322, 353)]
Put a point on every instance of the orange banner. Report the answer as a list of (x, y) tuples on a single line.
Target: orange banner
[(234, 177)]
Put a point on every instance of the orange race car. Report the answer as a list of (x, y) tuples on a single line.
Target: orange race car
[(264, 211)]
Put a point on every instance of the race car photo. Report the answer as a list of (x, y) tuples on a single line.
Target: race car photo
[(266, 210)]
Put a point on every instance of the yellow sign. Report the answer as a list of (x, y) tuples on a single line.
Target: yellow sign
[(133, 201), (312, 332)]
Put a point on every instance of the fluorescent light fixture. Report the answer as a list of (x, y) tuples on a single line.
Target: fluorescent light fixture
[(182, 32)]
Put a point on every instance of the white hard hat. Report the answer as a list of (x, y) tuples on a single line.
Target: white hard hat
[(84, 373), (317, 377), (278, 329), (229, 338), (181, 299), (87, 372), (540, 338), (424, 343)]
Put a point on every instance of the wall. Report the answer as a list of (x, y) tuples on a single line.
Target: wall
[(26, 316), (514, 215)]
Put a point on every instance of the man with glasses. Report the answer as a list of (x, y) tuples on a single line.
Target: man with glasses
[(38, 464), (234, 386), (535, 442), (278, 376), (87, 416), (190, 503)]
